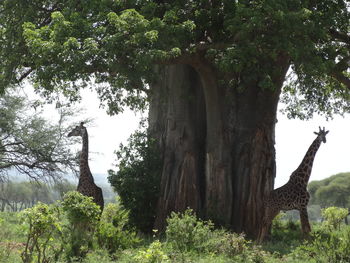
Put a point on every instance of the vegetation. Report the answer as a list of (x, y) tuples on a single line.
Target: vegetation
[(230, 61), (47, 238), (32, 144), (16, 196), (137, 179), (332, 191)]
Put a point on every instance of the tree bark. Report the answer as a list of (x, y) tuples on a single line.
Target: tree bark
[(217, 144), (177, 121)]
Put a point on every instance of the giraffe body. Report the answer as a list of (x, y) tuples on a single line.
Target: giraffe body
[(86, 184), (294, 194)]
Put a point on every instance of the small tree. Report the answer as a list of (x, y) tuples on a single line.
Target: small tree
[(43, 223)]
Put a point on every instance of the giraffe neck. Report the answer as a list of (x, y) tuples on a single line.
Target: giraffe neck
[(304, 170), (84, 156)]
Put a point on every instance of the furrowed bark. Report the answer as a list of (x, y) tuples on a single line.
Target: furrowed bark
[(177, 120), (218, 146)]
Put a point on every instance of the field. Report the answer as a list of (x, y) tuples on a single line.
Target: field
[(40, 235)]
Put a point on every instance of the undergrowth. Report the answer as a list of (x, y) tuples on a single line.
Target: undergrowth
[(187, 239)]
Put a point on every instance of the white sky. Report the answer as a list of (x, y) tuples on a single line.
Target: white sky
[(293, 137)]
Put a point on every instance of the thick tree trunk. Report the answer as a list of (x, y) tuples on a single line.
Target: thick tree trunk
[(177, 120), (217, 145)]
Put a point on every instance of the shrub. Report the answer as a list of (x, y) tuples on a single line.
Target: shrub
[(327, 246), (186, 232), (153, 254), (114, 231), (137, 179), (230, 244), (334, 216), (83, 217), (43, 226)]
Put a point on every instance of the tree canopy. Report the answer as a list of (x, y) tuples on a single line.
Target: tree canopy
[(332, 191), (65, 44), (212, 72), (31, 144)]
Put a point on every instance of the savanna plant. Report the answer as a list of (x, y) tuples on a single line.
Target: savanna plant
[(43, 228), (326, 247), (186, 232), (137, 180), (83, 216), (334, 216), (114, 231), (230, 244), (153, 254)]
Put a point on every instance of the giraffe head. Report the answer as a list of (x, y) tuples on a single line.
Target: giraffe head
[(321, 134), (77, 131)]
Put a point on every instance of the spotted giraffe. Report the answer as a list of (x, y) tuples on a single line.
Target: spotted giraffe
[(293, 195), (86, 185)]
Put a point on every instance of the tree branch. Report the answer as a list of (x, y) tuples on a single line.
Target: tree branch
[(342, 79), (25, 74), (343, 37)]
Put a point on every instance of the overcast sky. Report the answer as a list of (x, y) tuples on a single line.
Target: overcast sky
[(293, 137)]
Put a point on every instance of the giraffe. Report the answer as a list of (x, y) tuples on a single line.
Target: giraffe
[(293, 195), (86, 185)]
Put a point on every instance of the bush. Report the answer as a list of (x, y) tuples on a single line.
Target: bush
[(334, 216), (185, 232), (153, 254), (327, 246), (137, 179), (83, 217), (114, 231), (229, 244), (43, 226)]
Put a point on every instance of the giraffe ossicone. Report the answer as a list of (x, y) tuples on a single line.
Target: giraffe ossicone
[(86, 184), (294, 194)]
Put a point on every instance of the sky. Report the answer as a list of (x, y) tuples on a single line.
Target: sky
[(293, 138)]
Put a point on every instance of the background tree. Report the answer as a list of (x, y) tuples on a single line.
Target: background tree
[(213, 73), (31, 144), (18, 195), (62, 187), (332, 191)]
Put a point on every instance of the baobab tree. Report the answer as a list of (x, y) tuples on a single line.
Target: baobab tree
[(212, 72)]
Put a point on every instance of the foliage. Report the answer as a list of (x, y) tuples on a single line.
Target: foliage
[(229, 244), (137, 179), (11, 228), (285, 235), (153, 254), (32, 144), (187, 235), (332, 191), (113, 231), (43, 223), (64, 45), (326, 246), (334, 216), (186, 232), (221, 247), (83, 216)]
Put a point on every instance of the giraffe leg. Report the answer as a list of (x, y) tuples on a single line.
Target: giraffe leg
[(266, 223), (304, 220)]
